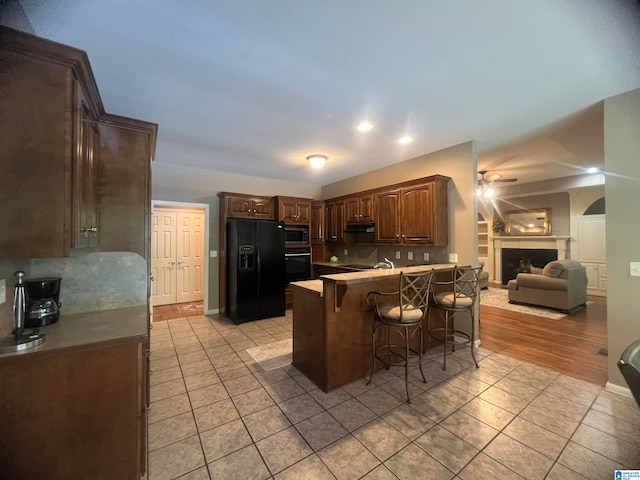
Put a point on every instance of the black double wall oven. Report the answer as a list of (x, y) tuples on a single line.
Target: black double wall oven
[(297, 264)]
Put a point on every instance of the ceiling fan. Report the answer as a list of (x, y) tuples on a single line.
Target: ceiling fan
[(485, 188)]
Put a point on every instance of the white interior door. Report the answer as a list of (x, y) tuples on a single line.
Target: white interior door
[(177, 255), (163, 258), (190, 257)]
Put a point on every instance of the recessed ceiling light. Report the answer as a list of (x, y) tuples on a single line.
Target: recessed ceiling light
[(365, 126), (317, 160), (592, 170), (405, 139)]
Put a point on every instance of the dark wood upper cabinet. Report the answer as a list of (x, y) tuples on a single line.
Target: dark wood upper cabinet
[(293, 210), (387, 208), (317, 230), (50, 165), (414, 212), (359, 209), (238, 205), (335, 221), (417, 214)]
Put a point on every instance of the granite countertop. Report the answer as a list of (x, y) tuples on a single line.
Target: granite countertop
[(363, 276), (78, 329)]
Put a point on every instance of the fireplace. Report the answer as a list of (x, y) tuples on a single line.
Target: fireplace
[(554, 243), (513, 259)]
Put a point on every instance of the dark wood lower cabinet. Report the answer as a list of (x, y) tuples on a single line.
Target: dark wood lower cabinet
[(76, 412)]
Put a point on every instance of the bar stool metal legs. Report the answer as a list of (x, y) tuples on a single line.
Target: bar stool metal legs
[(401, 314), (458, 298)]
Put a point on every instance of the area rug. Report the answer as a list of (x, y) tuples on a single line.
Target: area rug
[(272, 355), (499, 297)]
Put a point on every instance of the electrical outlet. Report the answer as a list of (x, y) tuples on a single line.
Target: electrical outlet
[(3, 290), (425, 256), (410, 256), (398, 255), (346, 252), (453, 258), (634, 269), (213, 253)]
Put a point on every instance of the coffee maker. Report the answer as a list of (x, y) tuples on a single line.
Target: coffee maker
[(43, 302)]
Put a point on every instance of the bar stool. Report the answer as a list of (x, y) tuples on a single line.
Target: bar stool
[(401, 312), (459, 297)]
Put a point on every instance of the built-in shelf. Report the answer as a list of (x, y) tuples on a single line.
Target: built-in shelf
[(483, 241)]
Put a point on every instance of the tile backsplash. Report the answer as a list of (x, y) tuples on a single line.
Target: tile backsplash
[(90, 281)]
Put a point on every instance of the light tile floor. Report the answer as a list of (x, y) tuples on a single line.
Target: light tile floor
[(215, 414)]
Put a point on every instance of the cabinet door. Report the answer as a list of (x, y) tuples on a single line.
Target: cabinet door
[(317, 223), (359, 209), (335, 222), (35, 156), (263, 208), (351, 210), (366, 209), (287, 210), (417, 214), (85, 230), (387, 213), (303, 211), (239, 207)]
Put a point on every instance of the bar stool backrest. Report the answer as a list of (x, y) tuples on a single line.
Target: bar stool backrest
[(462, 288), (414, 291)]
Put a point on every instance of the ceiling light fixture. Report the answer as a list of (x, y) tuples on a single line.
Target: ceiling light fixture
[(485, 191), (406, 139), (317, 160), (365, 126), (592, 170)]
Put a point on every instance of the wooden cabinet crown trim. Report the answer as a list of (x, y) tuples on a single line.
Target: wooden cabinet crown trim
[(408, 183), (53, 52)]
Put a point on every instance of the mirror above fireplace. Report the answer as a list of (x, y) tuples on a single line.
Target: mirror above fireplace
[(528, 222)]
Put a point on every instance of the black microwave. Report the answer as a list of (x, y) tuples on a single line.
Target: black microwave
[(296, 234)]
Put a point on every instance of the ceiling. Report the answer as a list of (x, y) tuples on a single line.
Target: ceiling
[(253, 86)]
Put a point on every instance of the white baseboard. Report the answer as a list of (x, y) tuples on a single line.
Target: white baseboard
[(618, 389), (213, 311)]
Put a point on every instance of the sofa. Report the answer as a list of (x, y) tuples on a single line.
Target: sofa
[(562, 285)]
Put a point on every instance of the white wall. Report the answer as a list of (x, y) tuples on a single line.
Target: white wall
[(622, 191)]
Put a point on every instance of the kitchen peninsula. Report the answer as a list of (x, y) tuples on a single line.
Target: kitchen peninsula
[(332, 322)]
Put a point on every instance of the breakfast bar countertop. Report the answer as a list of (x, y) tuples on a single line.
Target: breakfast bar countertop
[(364, 276)]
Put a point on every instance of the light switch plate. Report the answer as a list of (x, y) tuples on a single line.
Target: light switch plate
[(634, 269), (346, 252), (426, 256), (453, 258), (398, 255), (3, 290), (410, 256), (213, 253)]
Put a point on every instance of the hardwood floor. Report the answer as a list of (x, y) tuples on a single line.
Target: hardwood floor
[(569, 345), (177, 310)]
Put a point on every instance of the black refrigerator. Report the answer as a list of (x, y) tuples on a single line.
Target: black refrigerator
[(255, 269)]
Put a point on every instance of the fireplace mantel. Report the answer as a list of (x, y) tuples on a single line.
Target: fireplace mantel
[(554, 242)]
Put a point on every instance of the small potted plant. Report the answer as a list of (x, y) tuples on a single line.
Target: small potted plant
[(498, 227)]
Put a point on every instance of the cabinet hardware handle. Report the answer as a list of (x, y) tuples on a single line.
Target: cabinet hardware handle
[(152, 278), (93, 229), (173, 263)]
